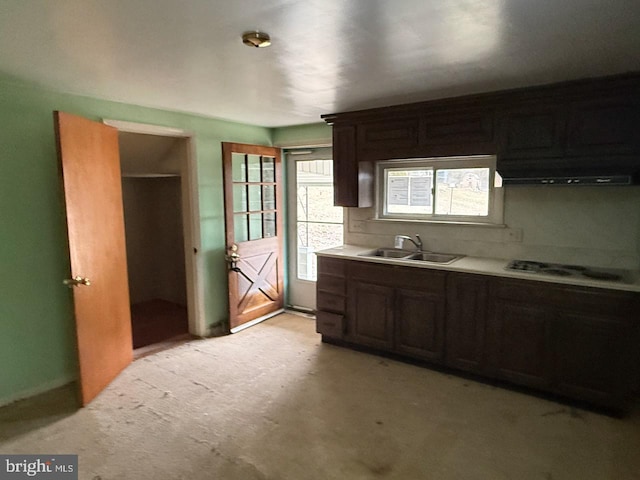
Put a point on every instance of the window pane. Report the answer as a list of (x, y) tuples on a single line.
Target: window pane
[(311, 238), (269, 227), (269, 197), (315, 203), (268, 169), (462, 191), (319, 221), (239, 198), (255, 226), (241, 233), (255, 197), (409, 191), (253, 162), (238, 167)]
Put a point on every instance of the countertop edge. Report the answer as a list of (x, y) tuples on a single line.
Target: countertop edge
[(480, 266)]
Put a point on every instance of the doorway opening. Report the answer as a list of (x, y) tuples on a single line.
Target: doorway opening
[(314, 222), (158, 202)]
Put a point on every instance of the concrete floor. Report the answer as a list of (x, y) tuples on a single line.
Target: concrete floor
[(272, 402)]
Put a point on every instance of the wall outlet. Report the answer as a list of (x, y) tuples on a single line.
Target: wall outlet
[(357, 226), (513, 235)]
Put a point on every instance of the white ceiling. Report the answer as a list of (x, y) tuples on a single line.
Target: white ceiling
[(327, 55)]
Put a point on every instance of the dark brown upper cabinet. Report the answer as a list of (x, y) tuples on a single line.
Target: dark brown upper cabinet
[(352, 179), (379, 140), (533, 131), (462, 132), (586, 127), (603, 126)]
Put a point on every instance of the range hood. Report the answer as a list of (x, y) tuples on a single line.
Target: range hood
[(570, 180), (622, 170)]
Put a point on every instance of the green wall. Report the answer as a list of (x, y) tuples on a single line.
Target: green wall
[(36, 324), (302, 135)]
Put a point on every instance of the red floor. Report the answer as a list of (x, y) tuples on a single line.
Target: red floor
[(157, 321)]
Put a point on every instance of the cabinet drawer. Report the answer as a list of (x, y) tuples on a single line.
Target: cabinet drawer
[(568, 297), (330, 284), (427, 280), (330, 324), (330, 302), (331, 266)]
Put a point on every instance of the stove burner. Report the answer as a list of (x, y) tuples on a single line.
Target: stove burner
[(557, 271), (526, 265), (601, 275), (529, 266), (577, 268)]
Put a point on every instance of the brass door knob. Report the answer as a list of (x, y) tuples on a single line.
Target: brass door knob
[(76, 281)]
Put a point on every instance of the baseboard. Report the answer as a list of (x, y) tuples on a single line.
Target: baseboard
[(31, 392)]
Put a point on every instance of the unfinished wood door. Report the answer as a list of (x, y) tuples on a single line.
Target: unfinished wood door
[(90, 165), (254, 232)]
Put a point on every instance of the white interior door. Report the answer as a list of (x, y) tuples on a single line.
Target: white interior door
[(314, 222)]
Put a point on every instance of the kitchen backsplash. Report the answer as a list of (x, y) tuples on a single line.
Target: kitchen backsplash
[(596, 226)]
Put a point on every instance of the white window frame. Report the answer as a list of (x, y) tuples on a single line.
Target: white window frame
[(496, 192)]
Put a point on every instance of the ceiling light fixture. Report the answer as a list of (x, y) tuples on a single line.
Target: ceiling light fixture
[(256, 39)]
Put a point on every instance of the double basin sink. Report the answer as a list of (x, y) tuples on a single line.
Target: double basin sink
[(401, 254)]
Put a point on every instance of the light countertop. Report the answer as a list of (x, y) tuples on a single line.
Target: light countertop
[(486, 266)]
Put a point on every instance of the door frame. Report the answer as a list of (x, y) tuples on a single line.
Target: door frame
[(300, 293), (190, 217)]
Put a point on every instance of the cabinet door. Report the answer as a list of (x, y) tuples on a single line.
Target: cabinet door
[(461, 133), (345, 166), (533, 132), (419, 324), (466, 319), (518, 342), (599, 127), (591, 357), (370, 315), (386, 138)]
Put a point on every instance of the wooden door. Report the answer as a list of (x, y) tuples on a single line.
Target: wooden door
[(254, 232), (90, 165)]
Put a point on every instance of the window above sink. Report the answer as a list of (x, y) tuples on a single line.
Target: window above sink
[(444, 190)]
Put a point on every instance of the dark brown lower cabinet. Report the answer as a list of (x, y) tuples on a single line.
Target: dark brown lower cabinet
[(371, 315), (466, 321), (592, 358), (398, 309), (579, 342), (518, 343), (330, 297), (419, 324)]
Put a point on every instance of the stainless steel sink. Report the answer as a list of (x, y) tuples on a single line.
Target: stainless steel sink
[(401, 254), (388, 253), (442, 258)]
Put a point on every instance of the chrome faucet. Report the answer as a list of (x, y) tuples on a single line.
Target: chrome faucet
[(401, 238)]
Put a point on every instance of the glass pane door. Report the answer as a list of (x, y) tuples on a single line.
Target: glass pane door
[(315, 223)]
